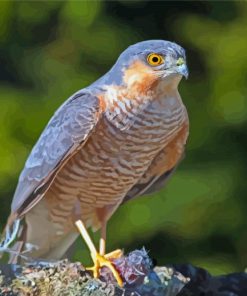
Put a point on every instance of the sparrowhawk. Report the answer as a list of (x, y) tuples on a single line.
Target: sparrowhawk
[(115, 140)]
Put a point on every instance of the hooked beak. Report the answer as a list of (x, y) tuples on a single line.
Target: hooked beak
[(181, 68)]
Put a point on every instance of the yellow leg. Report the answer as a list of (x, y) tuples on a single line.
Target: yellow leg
[(102, 245), (102, 241), (99, 258)]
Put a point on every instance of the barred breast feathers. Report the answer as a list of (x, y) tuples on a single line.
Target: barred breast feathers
[(155, 109), (131, 133)]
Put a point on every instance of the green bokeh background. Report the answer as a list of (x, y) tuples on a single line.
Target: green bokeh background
[(49, 50)]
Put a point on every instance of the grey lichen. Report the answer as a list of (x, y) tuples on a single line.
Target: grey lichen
[(71, 279), (140, 279)]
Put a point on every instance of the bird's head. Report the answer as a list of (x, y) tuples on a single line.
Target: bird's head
[(147, 63)]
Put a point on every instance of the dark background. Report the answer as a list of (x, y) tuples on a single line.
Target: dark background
[(49, 50)]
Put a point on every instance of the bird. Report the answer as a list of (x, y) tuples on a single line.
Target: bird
[(113, 141)]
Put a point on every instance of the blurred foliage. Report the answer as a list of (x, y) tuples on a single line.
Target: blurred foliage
[(49, 50)]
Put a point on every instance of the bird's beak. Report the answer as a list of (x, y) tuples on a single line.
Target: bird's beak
[(181, 68)]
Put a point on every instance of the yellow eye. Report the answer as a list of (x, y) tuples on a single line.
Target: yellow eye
[(155, 59)]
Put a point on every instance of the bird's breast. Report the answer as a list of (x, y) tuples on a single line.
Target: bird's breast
[(114, 158)]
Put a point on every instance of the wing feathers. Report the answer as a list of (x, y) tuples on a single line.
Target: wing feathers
[(68, 129)]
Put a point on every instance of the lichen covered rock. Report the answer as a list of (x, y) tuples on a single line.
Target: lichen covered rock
[(71, 279)]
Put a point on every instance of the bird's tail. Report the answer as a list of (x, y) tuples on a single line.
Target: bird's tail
[(41, 238), (9, 234), (37, 238)]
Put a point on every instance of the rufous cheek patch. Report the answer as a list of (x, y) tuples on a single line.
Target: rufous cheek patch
[(139, 77)]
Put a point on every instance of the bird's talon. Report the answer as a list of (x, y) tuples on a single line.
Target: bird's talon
[(101, 261), (94, 270), (116, 254)]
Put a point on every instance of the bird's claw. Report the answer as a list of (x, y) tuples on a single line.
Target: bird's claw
[(101, 261)]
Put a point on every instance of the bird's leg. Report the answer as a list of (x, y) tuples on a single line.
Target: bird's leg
[(102, 245), (99, 258), (84, 233), (102, 241)]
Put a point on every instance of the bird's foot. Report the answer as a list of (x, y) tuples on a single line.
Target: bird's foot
[(99, 258), (116, 254), (101, 261)]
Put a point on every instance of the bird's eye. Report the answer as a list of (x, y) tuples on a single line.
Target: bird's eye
[(155, 59)]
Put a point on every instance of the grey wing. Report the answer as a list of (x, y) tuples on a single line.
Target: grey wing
[(67, 130)]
